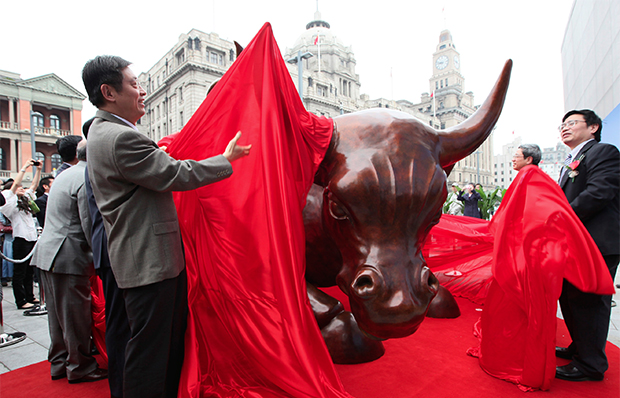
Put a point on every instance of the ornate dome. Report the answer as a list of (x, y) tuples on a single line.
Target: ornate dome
[(314, 28)]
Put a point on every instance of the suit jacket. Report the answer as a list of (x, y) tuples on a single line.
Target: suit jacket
[(99, 240), (62, 168), (42, 203), (594, 194), (132, 181), (63, 246)]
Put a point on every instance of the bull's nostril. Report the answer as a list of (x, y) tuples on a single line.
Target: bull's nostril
[(433, 282), (364, 284)]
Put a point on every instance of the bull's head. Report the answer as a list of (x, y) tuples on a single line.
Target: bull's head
[(384, 179)]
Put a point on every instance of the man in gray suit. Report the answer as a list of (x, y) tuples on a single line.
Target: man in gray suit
[(62, 255), (132, 181)]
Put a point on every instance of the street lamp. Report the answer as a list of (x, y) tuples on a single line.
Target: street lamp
[(32, 140), (300, 69)]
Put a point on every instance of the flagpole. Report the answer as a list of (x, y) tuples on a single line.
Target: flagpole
[(318, 42), (434, 108)]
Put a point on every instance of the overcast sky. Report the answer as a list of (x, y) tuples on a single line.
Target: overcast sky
[(41, 37)]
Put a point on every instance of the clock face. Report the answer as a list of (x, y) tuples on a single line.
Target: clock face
[(441, 62), (456, 61)]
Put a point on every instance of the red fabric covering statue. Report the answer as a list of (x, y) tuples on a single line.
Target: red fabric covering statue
[(459, 251), (538, 241), (251, 331)]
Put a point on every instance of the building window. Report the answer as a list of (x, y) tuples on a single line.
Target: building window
[(197, 44), (181, 118), (216, 58), (436, 85), (190, 43), (446, 82), (231, 55), (56, 161), (41, 158), (37, 121), (180, 57), (441, 83), (180, 94), (55, 122)]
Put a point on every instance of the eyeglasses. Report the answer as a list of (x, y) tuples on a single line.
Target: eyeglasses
[(570, 123)]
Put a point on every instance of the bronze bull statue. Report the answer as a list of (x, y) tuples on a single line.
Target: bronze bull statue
[(377, 194)]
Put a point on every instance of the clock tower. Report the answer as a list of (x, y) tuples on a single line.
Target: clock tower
[(446, 65), (448, 105)]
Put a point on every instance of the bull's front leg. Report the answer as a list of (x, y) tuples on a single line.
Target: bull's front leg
[(346, 343)]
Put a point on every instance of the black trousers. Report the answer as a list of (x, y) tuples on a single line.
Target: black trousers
[(157, 315), (587, 320), (22, 272), (117, 332)]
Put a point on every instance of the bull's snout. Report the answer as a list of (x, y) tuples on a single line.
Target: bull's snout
[(366, 284)]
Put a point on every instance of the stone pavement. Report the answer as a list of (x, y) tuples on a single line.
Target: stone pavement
[(34, 348)]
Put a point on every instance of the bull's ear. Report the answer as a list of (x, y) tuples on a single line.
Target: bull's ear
[(329, 160), (461, 140), (239, 49)]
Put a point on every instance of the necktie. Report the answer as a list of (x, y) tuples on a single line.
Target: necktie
[(566, 163)]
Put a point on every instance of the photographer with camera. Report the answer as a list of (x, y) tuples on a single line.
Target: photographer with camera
[(19, 208)]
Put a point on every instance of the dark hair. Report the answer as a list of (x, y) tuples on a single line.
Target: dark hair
[(591, 119), (86, 126), (44, 181), (104, 69), (533, 151), (67, 147)]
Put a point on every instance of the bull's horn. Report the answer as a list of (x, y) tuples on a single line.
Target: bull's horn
[(461, 140)]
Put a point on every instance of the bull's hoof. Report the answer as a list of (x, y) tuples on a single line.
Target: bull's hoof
[(443, 305), (347, 344)]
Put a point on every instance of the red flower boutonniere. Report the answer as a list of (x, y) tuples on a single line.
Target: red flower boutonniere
[(572, 173)]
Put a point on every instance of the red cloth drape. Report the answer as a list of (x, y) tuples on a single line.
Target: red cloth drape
[(251, 331), (97, 305), (459, 251), (538, 241)]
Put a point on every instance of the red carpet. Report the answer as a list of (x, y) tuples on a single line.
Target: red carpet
[(432, 362)]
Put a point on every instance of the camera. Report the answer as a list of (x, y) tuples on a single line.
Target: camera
[(36, 163)]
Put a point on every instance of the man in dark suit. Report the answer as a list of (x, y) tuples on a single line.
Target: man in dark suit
[(132, 181), (62, 255), (42, 193), (67, 147), (591, 182)]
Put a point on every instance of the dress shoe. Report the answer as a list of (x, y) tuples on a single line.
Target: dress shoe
[(571, 373), (60, 376), (564, 353), (95, 375)]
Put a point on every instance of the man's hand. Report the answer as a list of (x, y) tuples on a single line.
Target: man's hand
[(234, 151)]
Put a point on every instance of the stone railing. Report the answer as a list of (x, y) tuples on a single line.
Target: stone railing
[(8, 126), (51, 131)]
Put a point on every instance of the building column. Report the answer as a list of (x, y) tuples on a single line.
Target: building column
[(11, 112), (13, 155)]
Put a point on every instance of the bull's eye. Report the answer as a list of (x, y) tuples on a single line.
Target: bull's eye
[(336, 211)]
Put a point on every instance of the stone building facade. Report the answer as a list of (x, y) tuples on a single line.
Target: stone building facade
[(448, 104), (553, 158), (178, 83), (46, 104)]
